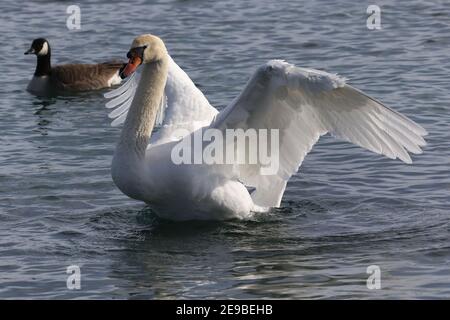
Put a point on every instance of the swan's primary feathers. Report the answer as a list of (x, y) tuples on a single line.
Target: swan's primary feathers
[(303, 104)]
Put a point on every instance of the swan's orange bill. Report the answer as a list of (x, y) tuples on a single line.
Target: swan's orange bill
[(131, 66)]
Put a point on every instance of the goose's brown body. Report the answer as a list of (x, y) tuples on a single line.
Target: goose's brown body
[(69, 77), (82, 77)]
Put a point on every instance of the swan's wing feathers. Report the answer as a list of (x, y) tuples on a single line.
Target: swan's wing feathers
[(304, 104), (121, 99), (160, 115), (183, 105), (353, 116), (123, 88)]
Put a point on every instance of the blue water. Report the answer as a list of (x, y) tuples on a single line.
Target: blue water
[(345, 210)]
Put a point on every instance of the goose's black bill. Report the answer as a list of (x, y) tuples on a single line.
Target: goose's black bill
[(29, 51)]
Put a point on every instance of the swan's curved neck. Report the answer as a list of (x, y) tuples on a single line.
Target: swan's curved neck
[(142, 114)]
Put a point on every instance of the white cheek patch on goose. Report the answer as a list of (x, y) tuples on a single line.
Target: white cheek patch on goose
[(44, 50)]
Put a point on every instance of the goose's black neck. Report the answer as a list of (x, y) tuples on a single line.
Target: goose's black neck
[(43, 66)]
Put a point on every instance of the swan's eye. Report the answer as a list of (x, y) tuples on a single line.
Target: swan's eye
[(136, 52)]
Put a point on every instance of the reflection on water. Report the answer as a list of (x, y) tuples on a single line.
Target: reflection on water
[(345, 210), (43, 112)]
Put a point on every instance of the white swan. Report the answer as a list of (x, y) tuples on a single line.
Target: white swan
[(302, 103)]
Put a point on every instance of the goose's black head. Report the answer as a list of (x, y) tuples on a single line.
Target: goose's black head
[(39, 47)]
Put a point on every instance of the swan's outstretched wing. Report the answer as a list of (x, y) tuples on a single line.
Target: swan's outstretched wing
[(121, 99), (183, 105), (305, 104)]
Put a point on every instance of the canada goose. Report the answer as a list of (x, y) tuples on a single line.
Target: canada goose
[(69, 77), (301, 104)]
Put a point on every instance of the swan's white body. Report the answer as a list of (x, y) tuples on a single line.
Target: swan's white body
[(302, 103)]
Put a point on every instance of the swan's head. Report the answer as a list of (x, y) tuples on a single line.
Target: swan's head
[(39, 47), (146, 48)]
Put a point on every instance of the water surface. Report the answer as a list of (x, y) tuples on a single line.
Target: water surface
[(345, 210)]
